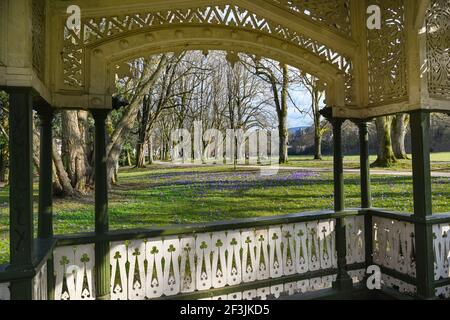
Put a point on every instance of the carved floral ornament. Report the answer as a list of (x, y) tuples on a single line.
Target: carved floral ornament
[(226, 27), (97, 30)]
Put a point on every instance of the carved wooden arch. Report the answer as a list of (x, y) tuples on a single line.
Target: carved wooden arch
[(104, 57), (79, 78)]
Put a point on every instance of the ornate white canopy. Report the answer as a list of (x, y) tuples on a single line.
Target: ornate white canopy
[(403, 66)]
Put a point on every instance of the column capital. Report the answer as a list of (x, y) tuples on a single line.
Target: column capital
[(45, 114), (100, 114), (327, 113), (361, 122)]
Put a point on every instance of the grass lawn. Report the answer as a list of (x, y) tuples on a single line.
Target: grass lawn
[(166, 195), (440, 162)]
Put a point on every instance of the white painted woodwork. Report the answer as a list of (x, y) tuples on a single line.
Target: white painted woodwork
[(441, 247), (73, 268), (394, 245), (40, 284), (355, 239), (158, 267)]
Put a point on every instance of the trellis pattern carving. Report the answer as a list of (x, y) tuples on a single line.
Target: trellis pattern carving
[(40, 284), (334, 14), (394, 245), (387, 55), (38, 37), (355, 240), (171, 266), (441, 245), (101, 28), (73, 267), (438, 49)]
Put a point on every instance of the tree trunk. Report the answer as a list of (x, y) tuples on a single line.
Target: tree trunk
[(129, 159), (36, 150), (318, 132), (386, 157), (399, 130), (317, 144), (127, 121), (61, 174), (166, 152), (3, 165), (57, 187), (282, 118), (150, 150), (140, 155), (76, 151)]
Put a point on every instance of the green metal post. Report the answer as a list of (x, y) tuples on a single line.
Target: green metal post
[(366, 195), (21, 188), (420, 127), (45, 217), (343, 281), (102, 264), (338, 166)]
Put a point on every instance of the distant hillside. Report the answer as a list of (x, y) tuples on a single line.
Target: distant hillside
[(294, 131)]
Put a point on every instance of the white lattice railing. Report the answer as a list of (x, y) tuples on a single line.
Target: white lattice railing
[(169, 266), (394, 249), (39, 284), (441, 247)]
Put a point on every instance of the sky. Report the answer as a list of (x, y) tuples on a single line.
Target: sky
[(295, 118)]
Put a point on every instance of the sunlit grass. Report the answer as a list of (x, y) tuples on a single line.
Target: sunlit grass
[(440, 162), (163, 196)]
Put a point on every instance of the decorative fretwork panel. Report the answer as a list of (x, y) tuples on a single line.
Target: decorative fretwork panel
[(334, 14), (4, 291), (438, 49), (73, 267), (165, 267), (443, 292), (38, 37), (101, 28), (40, 284), (355, 239), (441, 247), (394, 245), (387, 54)]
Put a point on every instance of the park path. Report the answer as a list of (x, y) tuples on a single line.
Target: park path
[(376, 172)]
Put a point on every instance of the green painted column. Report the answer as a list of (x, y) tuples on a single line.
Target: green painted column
[(343, 281), (102, 248), (21, 188), (45, 215), (338, 161), (45, 218), (366, 195), (420, 128)]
